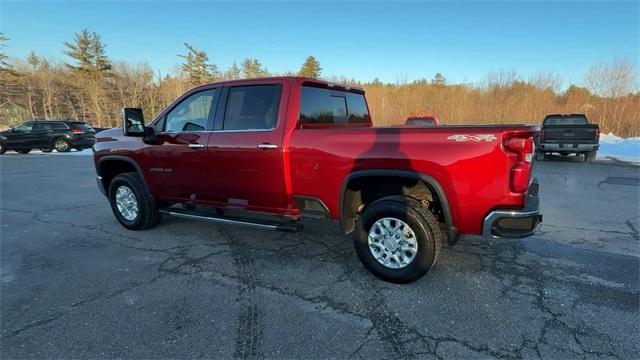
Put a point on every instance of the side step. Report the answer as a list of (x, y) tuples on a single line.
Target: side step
[(291, 226)]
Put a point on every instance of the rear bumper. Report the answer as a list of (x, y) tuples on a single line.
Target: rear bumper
[(515, 223), (567, 147), (82, 142)]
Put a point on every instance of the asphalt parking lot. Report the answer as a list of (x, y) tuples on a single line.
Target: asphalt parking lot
[(75, 284)]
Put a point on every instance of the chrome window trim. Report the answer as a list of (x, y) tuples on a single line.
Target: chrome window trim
[(246, 130), (213, 131)]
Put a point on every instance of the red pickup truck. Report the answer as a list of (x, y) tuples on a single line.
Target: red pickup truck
[(266, 152), (422, 120)]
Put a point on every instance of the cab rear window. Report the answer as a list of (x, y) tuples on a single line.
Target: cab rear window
[(565, 120), (327, 106)]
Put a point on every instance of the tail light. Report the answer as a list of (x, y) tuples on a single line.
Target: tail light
[(597, 135), (521, 171), (77, 131)]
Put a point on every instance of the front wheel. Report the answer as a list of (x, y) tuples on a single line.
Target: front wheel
[(397, 239), (131, 203)]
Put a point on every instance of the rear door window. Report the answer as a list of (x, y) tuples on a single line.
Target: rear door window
[(326, 106), (42, 126), (252, 107)]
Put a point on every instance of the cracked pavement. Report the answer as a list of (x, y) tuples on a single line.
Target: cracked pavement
[(75, 284)]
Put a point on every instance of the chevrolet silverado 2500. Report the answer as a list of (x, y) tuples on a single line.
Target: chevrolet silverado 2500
[(266, 152)]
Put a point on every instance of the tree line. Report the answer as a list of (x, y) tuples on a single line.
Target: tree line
[(91, 87)]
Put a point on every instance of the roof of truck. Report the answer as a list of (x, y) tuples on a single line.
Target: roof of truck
[(299, 79)]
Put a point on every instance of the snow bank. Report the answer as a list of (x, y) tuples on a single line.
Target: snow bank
[(84, 152), (620, 148)]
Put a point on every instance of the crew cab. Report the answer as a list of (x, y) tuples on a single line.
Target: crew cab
[(422, 120), (48, 135), (267, 152), (568, 134)]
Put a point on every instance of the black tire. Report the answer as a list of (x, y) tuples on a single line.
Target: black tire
[(46, 150), (590, 156), (61, 145), (24, 151), (540, 156), (420, 220), (147, 215), (3, 148)]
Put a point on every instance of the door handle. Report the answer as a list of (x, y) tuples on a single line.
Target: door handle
[(267, 146), (196, 146)]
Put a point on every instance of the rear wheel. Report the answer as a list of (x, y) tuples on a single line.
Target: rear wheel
[(132, 204), (24, 151), (397, 239), (590, 156), (61, 145)]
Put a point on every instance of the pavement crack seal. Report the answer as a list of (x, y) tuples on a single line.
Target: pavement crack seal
[(506, 262), (76, 304), (249, 328), (387, 325), (634, 232)]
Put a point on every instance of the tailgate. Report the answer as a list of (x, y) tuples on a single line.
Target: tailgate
[(574, 134)]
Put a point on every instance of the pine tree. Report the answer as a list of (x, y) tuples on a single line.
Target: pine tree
[(438, 80), (3, 57), (197, 67), (233, 73), (33, 59), (88, 52), (251, 68), (311, 68), (93, 66)]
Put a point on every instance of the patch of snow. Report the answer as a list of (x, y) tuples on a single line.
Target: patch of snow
[(624, 149), (84, 152)]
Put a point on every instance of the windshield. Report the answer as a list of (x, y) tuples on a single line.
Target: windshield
[(566, 120), (24, 127), (420, 121)]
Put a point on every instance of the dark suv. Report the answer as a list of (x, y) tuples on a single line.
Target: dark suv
[(47, 135)]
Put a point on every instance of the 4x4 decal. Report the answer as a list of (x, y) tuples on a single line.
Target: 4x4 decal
[(477, 137)]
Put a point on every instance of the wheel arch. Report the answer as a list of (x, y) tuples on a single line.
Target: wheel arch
[(347, 215), (111, 165)]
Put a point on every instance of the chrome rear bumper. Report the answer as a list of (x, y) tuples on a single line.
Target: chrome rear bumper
[(515, 223)]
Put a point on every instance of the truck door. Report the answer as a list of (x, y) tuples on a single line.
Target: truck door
[(245, 150), (176, 167)]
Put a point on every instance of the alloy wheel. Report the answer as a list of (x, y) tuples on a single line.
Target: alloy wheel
[(393, 243), (126, 203)]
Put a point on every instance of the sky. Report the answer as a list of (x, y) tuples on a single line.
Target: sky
[(392, 41)]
